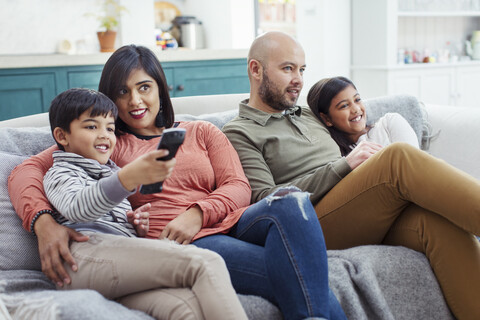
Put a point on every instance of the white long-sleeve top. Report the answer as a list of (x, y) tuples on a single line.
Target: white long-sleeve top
[(87, 195), (390, 128)]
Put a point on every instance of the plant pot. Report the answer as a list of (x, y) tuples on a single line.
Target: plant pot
[(107, 40)]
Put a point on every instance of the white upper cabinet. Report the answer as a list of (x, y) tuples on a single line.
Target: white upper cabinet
[(392, 38)]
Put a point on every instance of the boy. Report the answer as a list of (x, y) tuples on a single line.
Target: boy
[(89, 192)]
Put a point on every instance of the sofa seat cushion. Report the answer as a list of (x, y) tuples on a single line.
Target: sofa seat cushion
[(28, 294)]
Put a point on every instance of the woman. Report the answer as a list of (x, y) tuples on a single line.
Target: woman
[(337, 104), (89, 194), (203, 200)]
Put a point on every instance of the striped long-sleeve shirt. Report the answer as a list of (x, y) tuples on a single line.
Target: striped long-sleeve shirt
[(87, 195)]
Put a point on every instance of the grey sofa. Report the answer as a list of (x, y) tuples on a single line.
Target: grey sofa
[(371, 282)]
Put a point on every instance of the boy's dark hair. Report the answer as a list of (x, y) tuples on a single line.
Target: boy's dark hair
[(69, 105)]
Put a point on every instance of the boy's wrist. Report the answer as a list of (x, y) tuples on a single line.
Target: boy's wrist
[(127, 179)]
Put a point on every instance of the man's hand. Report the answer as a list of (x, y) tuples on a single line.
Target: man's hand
[(185, 226), (362, 152), (53, 246), (140, 219)]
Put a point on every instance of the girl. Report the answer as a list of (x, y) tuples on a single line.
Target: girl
[(337, 104)]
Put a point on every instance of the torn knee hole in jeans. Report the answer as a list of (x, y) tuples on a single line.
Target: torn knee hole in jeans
[(292, 192)]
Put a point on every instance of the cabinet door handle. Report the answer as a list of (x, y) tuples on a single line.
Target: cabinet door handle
[(180, 87), (170, 87)]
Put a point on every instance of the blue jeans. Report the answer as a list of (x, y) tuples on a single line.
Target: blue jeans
[(277, 251)]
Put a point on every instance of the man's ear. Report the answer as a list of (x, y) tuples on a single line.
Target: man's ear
[(60, 136), (256, 69), (326, 119)]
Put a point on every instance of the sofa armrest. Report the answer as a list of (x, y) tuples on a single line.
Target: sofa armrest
[(455, 136)]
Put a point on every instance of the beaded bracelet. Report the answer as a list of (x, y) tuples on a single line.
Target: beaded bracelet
[(50, 212)]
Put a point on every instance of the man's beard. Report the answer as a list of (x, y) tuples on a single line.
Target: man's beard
[(272, 96)]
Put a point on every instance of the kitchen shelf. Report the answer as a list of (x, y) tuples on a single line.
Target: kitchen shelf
[(438, 14), (411, 66)]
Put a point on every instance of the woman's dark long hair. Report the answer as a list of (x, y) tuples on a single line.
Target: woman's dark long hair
[(115, 74), (319, 99)]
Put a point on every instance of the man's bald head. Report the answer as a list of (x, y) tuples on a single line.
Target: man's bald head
[(276, 62), (267, 43)]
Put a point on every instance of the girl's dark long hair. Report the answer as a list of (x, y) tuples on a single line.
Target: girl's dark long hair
[(115, 74), (319, 99)]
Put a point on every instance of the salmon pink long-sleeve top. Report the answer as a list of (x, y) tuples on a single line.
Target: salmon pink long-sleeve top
[(208, 173)]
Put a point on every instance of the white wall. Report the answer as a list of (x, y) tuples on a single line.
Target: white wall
[(36, 27), (28, 27), (138, 24), (228, 24), (323, 29)]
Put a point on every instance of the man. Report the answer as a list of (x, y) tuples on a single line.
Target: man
[(398, 197), (276, 63)]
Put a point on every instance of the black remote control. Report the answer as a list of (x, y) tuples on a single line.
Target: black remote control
[(171, 140)]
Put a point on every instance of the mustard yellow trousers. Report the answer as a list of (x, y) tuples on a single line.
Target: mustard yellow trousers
[(403, 196)]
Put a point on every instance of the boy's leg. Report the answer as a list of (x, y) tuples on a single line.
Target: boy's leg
[(165, 304), (454, 255), (362, 207), (118, 266)]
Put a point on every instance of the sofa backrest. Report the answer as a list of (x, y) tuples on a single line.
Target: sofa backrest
[(219, 109), (198, 105)]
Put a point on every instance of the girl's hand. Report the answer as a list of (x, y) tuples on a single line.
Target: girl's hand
[(140, 219), (362, 152), (184, 227)]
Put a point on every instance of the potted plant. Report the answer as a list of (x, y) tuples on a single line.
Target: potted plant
[(108, 15)]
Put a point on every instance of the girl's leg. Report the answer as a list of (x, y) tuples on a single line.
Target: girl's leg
[(294, 256), (118, 266), (362, 207), (454, 255)]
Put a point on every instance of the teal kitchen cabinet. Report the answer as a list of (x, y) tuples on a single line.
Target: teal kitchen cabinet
[(26, 91), (29, 91), (25, 94), (84, 77), (169, 75), (209, 77)]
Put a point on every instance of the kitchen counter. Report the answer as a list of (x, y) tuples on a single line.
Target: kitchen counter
[(55, 60)]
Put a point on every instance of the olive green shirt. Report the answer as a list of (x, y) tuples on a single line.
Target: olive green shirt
[(286, 148)]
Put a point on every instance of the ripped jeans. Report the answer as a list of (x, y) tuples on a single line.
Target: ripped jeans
[(277, 251)]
